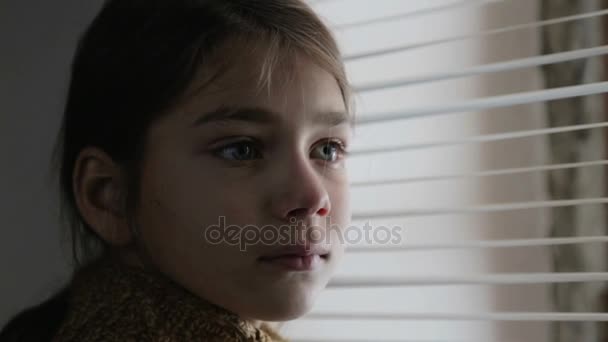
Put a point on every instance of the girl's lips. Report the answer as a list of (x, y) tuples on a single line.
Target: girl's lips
[(297, 250), (307, 262)]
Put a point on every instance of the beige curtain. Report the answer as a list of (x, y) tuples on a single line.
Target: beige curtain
[(584, 220)]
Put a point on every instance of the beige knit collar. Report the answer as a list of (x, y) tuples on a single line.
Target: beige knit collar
[(109, 297)]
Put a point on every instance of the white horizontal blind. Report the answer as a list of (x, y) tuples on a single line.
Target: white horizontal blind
[(451, 146)]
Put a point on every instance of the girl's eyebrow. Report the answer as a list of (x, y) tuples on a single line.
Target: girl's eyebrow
[(259, 115)]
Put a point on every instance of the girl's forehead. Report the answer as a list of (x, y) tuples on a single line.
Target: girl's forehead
[(251, 64), (300, 85), (257, 74)]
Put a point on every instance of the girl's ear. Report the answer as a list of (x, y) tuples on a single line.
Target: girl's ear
[(99, 189)]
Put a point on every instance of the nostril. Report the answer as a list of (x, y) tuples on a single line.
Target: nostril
[(323, 211), (301, 213)]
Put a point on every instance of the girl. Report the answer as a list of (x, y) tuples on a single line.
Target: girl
[(203, 143)]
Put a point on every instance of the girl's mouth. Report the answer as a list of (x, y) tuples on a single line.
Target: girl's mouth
[(296, 262)]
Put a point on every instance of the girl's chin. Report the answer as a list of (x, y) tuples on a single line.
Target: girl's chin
[(284, 313), (285, 306)]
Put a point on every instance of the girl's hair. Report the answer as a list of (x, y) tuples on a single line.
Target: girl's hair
[(134, 63)]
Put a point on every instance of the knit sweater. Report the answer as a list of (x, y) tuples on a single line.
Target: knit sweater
[(111, 302)]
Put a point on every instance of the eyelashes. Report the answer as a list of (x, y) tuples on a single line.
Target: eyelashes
[(244, 150), (333, 148), (247, 149)]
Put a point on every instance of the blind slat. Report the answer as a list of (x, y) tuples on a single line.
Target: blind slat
[(478, 209), (416, 13), (479, 174), (473, 279), (491, 316), (479, 244), (488, 103), (479, 139), (488, 68), (513, 28)]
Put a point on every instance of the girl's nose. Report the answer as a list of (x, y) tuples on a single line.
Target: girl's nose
[(301, 193)]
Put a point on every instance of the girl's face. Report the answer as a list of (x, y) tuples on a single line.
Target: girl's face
[(244, 192)]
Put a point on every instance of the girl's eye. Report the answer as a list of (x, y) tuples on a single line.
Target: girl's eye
[(239, 151), (329, 150)]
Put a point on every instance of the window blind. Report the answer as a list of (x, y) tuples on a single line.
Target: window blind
[(454, 140)]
